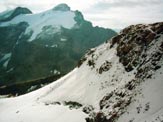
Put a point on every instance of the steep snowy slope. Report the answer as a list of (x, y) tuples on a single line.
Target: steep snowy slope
[(119, 81)]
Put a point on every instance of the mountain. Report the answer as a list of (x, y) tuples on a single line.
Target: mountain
[(118, 81), (47, 44), (10, 14)]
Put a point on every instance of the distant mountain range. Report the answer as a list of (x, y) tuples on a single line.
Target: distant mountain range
[(47, 44)]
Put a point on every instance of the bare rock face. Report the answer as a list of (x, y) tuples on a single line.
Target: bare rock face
[(105, 67), (133, 43)]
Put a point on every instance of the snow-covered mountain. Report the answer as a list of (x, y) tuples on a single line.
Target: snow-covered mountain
[(59, 16), (45, 44), (119, 81)]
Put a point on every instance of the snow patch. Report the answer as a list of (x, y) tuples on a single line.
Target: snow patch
[(6, 63), (63, 39), (147, 107), (54, 45), (56, 72), (6, 59)]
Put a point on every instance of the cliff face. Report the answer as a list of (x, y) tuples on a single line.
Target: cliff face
[(134, 44)]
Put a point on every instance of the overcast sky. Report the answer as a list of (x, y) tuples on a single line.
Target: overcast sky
[(114, 14)]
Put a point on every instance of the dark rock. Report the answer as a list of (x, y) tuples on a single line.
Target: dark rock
[(100, 117), (89, 120), (133, 41), (88, 109), (130, 85), (73, 104), (150, 37), (90, 51), (115, 40), (104, 100), (105, 67), (91, 63), (80, 62)]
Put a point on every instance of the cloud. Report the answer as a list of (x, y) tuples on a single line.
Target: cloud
[(119, 14), (106, 13), (107, 4)]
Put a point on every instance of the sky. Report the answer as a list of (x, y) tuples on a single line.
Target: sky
[(115, 14)]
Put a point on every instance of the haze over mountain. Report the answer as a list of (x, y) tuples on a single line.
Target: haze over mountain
[(46, 44), (118, 81)]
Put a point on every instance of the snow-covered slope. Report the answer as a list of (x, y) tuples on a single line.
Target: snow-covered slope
[(119, 81)]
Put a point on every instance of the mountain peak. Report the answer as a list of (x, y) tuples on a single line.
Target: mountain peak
[(62, 7), (9, 15), (22, 10)]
